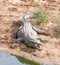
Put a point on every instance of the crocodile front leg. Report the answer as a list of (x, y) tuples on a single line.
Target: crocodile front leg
[(16, 32), (19, 40)]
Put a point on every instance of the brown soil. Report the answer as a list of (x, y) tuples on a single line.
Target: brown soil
[(11, 10)]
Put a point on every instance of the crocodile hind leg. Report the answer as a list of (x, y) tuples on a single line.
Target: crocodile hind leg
[(40, 31)]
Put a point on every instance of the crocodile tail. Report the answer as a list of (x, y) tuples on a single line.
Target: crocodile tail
[(27, 16)]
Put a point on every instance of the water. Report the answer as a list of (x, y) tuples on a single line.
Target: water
[(7, 59)]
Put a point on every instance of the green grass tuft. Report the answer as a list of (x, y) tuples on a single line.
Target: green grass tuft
[(25, 61), (41, 18)]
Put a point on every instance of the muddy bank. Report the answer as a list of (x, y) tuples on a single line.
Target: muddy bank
[(19, 52)]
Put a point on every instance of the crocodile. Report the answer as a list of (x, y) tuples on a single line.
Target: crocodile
[(27, 33)]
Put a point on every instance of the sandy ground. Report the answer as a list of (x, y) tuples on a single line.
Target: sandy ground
[(10, 10)]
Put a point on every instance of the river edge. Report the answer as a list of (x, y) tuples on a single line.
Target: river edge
[(27, 56)]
